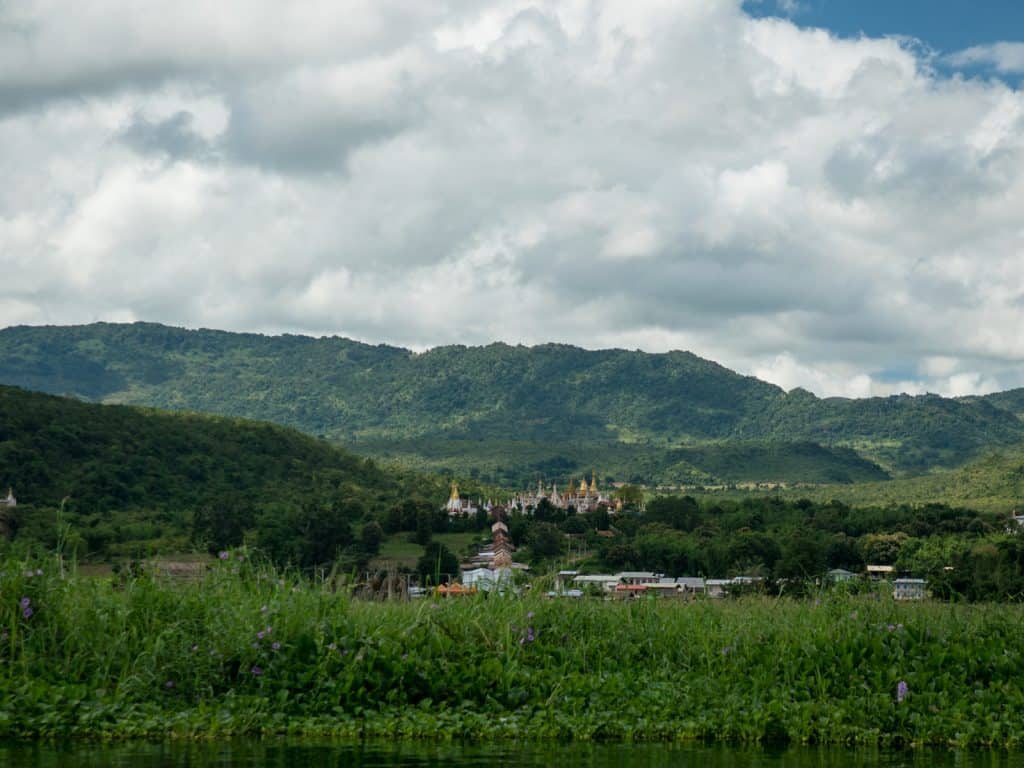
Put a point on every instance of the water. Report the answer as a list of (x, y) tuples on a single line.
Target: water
[(303, 753)]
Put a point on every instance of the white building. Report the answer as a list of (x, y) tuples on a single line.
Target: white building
[(488, 579), (908, 589), (603, 581)]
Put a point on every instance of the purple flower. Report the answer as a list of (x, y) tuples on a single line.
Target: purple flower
[(27, 613), (275, 646), (529, 615), (223, 555), (902, 690), (39, 571), (256, 671), (169, 684), (25, 602), (260, 635), (529, 635)]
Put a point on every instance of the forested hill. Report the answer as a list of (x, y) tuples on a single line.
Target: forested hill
[(386, 398), (112, 461)]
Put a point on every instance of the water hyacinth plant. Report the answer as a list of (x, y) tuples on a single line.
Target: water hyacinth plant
[(147, 656)]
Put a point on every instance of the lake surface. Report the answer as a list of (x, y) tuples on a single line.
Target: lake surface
[(300, 753)]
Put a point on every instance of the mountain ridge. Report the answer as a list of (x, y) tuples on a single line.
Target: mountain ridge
[(354, 393)]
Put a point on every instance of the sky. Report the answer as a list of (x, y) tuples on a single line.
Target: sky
[(821, 193)]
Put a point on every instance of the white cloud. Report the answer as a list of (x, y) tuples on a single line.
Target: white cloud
[(1004, 57), (786, 372), (825, 213)]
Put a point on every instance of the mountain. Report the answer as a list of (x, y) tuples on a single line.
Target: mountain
[(133, 474), (506, 412), (1011, 400)]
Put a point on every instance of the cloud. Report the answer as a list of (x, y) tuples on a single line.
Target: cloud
[(828, 213), (1005, 57)]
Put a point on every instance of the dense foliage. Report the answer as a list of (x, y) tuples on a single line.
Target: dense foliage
[(994, 482), (964, 554), (393, 400), (140, 480), (247, 650)]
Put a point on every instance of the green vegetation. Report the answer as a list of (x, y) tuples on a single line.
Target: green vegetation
[(141, 481), (964, 554), (519, 464), (993, 483), (249, 651), (485, 410)]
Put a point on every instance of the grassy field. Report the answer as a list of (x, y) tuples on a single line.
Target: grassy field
[(247, 650), (398, 551)]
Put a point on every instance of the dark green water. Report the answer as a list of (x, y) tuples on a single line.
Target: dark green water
[(285, 753)]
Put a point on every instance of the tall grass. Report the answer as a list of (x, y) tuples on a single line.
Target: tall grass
[(248, 650)]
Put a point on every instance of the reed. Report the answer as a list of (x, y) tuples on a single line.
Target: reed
[(247, 650)]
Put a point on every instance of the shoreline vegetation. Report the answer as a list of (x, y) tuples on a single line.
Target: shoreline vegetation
[(249, 650)]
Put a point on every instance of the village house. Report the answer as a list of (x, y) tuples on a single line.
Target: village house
[(611, 583), (879, 572), (562, 578), (717, 587), (638, 577), (837, 575), (908, 589), (689, 585), (664, 588), (602, 581)]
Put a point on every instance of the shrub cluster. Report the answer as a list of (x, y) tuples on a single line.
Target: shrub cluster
[(251, 650)]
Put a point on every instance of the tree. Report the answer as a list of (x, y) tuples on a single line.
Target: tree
[(437, 565), (546, 541), (621, 556), (306, 536), (221, 524), (632, 496), (371, 537), (680, 512), (803, 557), (424, 527)]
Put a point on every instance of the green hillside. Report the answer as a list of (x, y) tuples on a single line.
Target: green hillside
[(513, 464), (1012, 400), (504, 412), (137, 475), (993, 483)]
